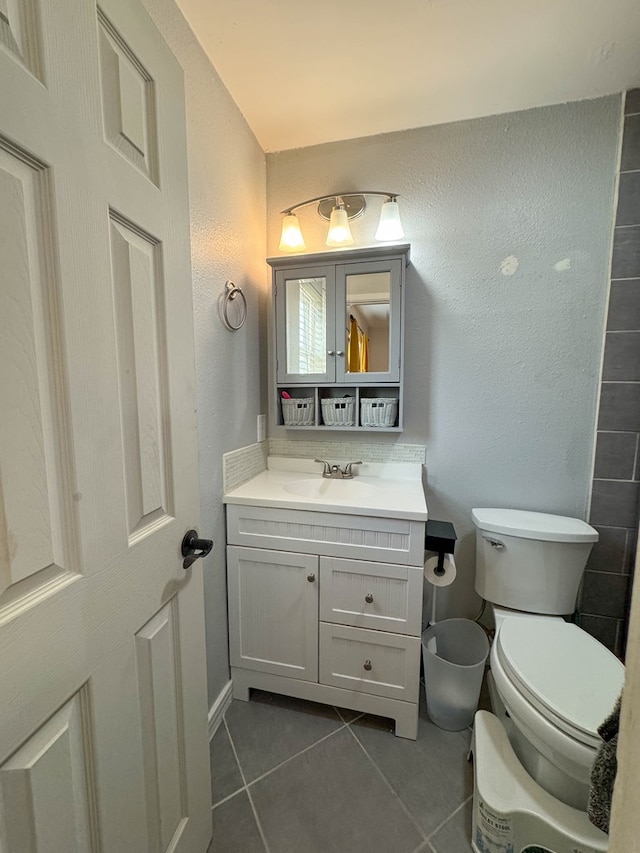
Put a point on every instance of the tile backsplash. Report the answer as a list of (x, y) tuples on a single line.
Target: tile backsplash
[(242, 464), (367, 451)]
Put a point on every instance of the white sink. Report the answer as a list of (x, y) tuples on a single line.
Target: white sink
[(323, 488)]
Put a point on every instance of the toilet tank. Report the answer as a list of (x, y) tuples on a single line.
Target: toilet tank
[(530, 561)]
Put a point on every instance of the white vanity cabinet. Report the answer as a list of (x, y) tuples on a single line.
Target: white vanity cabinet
[(327, 607), (339, 332)]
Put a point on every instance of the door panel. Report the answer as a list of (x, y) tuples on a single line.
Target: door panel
[(45, 787), (98, 451), (142, 368), (160, 701)]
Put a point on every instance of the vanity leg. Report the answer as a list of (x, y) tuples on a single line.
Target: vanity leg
[(240, 684), (407, 722)]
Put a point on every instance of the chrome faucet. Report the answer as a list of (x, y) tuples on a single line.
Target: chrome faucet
[(335, 472)]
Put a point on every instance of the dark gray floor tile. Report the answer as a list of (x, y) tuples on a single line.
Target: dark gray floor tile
[(621, 357), (431, 776), (348, 715), (631, 144), (615, 455), (455, 835), (619, 406), (626, 253), (624, 305), (234, 827), (629, 199), (331, 799), (269, 729), (225, 774)]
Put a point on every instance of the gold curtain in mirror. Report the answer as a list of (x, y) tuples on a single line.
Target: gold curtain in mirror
[(358, 348)]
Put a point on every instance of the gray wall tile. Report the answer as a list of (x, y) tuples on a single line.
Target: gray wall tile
[(626, 253), (632, 101), (629, 199), (602, 628), (630, 157), (604, 595), (619, 406), (614, 503), (609, 554), (621, 357), (615, 455), (624, 305)]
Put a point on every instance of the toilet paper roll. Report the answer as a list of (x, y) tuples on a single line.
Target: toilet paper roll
[(444, 579)]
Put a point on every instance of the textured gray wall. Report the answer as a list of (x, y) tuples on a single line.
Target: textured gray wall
[(227, 175), (510, 223)]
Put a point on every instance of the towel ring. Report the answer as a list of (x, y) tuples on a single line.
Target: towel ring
[(230, 293)]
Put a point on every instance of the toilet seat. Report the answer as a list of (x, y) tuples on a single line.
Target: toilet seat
[(567, 675)]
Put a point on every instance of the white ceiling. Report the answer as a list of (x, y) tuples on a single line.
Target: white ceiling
[(309, 71)]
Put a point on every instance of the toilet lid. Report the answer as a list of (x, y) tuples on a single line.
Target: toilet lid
[(565, 673)]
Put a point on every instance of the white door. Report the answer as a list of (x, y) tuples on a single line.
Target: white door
[(103, 740)]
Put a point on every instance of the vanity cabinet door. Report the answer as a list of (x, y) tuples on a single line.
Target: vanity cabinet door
[(369, 321), (273, 611), (305, 325)]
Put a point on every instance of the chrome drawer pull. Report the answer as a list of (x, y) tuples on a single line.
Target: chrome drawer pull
[(367, 665), (368, 598)]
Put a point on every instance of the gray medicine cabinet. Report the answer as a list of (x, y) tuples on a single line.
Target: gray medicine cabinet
[(339, 335)]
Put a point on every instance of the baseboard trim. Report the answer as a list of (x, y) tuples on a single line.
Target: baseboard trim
[(219, 707)]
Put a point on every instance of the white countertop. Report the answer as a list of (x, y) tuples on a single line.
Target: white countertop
[(382, 490)]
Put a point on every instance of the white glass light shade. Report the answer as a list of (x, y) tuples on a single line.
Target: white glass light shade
[(339, 233), (390, 227), (291, 239)]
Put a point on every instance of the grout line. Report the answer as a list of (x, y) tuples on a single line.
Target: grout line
[(244, 780), (391, 788), (291, 757), (258, 824), (454, 812), (227, 798)]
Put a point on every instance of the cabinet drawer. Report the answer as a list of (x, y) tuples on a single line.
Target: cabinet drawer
[(384, 597), (370, 661), (382, 540)]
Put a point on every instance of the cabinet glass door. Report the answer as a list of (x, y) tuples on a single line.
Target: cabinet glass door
[(305, 350), (368, 296)]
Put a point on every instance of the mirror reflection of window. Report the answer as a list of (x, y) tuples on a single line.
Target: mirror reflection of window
[(306, 303), (368, 315)]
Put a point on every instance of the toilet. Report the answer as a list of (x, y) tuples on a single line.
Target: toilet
[(551, 684)]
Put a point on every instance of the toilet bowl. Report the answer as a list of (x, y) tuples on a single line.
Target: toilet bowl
[(552, 685)]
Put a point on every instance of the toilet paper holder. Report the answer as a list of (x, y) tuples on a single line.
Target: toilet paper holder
[(440, 536)]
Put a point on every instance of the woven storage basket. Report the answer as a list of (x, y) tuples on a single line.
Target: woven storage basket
[(378, 411), (298, 411), (338, 411)]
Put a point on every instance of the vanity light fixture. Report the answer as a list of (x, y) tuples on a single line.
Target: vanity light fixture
[(338, 210)]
